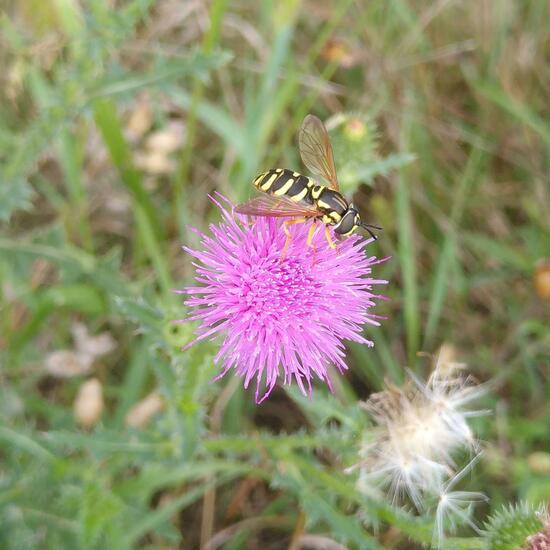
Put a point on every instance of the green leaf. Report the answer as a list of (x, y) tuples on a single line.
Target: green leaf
[(139, 311), (15, 194), (80, 297), (520, 110), (107, 443), (382, 167), (407, 255), (506, 254), (99, 513), (164, 72), (319, 506), (147, 218), (22, 442), (346, 528), (155, 519), (448, 250)]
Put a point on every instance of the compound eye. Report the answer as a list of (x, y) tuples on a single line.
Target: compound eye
[(346, 224)]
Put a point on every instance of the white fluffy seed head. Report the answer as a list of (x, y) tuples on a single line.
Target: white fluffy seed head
[(420, 428)]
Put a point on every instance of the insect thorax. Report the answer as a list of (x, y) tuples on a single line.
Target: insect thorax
[(329, 200)]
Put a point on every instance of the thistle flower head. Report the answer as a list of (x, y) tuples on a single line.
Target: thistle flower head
[(280, 317)]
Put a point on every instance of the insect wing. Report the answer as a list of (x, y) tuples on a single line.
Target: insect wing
[(275, 207), (316, 150)]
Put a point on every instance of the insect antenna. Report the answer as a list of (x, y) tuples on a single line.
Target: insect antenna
[(368, 227)]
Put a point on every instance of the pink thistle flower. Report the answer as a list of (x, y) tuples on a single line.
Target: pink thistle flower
[(279, 316)]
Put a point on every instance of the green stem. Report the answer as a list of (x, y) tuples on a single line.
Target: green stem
[(71, 163)]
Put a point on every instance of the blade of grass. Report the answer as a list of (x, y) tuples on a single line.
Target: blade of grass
[(215, 118), (24, 443), (157, 476), (448, 250), (406, 252), (261, 442), (68, 254), (265, 105), (210, 40), (43, 519), (512, 258), (107, 442), (106, 119), (71, 160), (307, 102), (70, 16), (164, 76), (108, 123), (368, 365), (521, 111), (386, 357)]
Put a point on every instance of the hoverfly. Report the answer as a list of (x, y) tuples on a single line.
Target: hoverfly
[(288, 194)]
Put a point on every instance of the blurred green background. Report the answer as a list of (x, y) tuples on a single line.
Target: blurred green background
[(117, 118)]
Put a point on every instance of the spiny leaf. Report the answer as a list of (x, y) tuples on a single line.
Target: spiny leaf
[(164, 72), (382, 167), (99, 509), (15, 194), (139, 311)]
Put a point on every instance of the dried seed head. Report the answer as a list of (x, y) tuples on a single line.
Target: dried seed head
[(420, 430)]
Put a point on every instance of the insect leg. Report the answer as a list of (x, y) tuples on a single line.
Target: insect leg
[(329, 238), (311, 233), (294, 221), (289, 234)]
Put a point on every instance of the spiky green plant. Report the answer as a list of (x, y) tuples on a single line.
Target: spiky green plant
[(355, 139), (511, 527)]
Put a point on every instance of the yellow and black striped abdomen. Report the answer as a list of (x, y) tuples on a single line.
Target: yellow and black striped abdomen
[(280, 181)]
